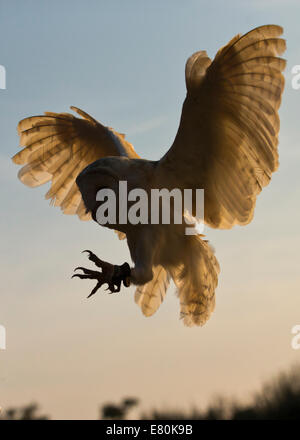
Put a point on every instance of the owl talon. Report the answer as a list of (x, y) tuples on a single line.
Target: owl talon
[(113, 275)]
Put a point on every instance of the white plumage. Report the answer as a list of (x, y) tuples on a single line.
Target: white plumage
[(149, 296), (226, 144)]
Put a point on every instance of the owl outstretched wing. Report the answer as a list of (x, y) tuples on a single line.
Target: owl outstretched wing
[(227, 139), (58, 146)]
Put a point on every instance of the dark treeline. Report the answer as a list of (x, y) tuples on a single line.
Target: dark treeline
[(278, 399)]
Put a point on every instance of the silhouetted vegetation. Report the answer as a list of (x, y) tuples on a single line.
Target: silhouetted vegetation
[(28, 412), (113, 411), (278, 399)]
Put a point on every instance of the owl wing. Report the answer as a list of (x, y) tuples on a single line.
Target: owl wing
[(58, 146), (227, 139), (150, 295)]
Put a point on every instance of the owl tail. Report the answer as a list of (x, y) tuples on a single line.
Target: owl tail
[(196, 280)]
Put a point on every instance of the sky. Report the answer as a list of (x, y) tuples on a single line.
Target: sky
[(123, 63)]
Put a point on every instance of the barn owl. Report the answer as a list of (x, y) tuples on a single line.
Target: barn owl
[(226, 144)]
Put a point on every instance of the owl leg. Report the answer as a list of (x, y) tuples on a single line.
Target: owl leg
[(110, 274)]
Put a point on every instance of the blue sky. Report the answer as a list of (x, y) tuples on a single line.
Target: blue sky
[(123, 62)]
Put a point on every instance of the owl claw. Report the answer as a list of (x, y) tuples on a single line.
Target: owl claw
[(111, 274)]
